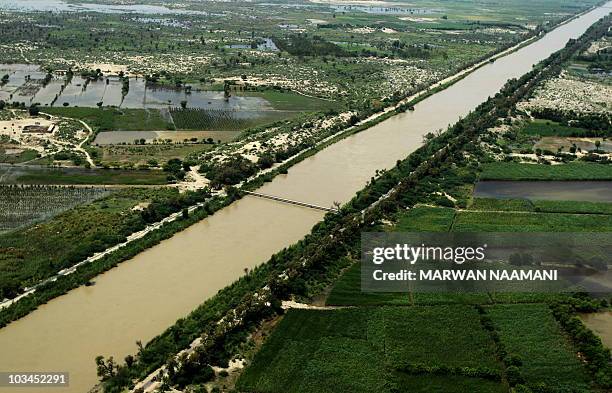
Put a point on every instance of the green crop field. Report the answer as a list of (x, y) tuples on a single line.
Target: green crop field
[(446, 383), (363, 350), (468, 221), (531, 332), (573, 171), (551, 128), (78, 176), (23, 155), (21, 206), (425, 219), (524, 205), (113, 119)]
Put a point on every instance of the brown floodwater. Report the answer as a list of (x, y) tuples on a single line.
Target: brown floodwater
[(601, 324), (141, 297)]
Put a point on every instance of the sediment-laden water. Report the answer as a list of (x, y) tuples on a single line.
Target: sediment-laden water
[(143, 296)]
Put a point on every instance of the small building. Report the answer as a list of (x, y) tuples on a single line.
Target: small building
[(37, 128)]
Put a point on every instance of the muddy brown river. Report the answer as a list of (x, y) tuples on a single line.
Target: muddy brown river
[(141, 297)]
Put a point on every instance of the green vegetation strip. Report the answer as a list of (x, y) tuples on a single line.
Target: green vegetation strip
[(572, 171), (518, 205)]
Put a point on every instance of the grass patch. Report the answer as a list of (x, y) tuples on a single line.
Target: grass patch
[(572, 171), (468, 221), (524, 205), (425, 219), (15, 158), (550, 128), (113, 119), (78, 176), (530, 331)]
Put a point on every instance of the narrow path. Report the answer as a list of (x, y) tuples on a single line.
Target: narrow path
[(79, 147)]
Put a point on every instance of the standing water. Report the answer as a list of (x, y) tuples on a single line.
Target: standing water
[(141, 297)]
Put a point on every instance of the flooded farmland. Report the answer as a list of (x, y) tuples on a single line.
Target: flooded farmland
[(589, 191), (25, 85), (141, 297), (63, 6)]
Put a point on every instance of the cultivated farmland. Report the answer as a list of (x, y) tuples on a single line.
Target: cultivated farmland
[(23, 205)]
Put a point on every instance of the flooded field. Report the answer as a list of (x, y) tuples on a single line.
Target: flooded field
[(25, 84), (591, 191), (601, 324), (63, 6), (385, 10)]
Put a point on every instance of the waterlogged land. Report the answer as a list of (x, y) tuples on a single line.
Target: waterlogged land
[(220, 68), (160, 268)]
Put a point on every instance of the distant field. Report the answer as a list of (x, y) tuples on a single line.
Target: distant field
[(362, 350), (152, 137), (109, 119), (425, 219), (78, 176), (541, 206), (467, 221), (573, 171), (531, 332)]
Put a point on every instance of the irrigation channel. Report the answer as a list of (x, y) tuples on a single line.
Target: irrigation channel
[(141, 297)]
